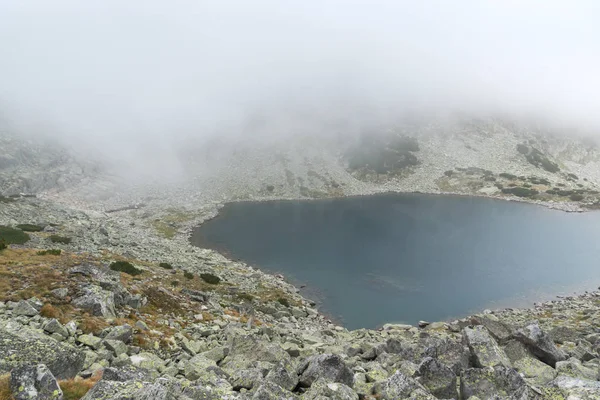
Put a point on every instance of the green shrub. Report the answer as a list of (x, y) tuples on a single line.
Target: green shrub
[(489, 178), (506, 175), (283, 301), (527, 185), (12, 235), (126, 267), (449, 173), (520, 191), (210, 278), (4, 199), (245, 297), (52, 252), (576, 197), (174, 283), (2, 244), (165, 265), (60, 239), (188, 275), (30, 227)]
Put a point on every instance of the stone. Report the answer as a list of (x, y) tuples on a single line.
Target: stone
[(535, 371), (141, 325), (330, 367), (117, 347), (128, 373), (562, 334), (485, 352), (573, 367), (516, 350), (540, 344), (197, 365), (34, 382), (497, 382), (400, 386), (283, 375), (321, 389), (452, 353), (53, 326), (147, 360), (500, 331), (96, 301), (90, 341), (123, 333), (245, 378), (25, 347), (245, 350), (437, 378), (25, 308), (60, 293), (272, 391)]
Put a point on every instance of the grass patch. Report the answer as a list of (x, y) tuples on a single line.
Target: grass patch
[(30, 227), (126, 267), (188, 275), (165, 265), (5, 392), (49, 252), (60, 239), (75, 389), (210, 278), (245, 297), (13, 236)]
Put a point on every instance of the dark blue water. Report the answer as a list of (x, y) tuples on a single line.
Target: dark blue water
[(403, 258)]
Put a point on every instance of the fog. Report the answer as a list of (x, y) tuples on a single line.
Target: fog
[(142, 77)]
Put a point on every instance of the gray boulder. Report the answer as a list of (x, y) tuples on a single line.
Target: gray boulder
[(330, 367), (196, 366), (322, 389), (535, 371), (272, 391), (400, 386), (497, 382), (283, 375), (25, 308), (437, 378), (53, 326), (499, 330), (245, 378), (26, 347), (485, 352), (540, 344), (123, 333), (246, 350), (573, 367), (96, 301), (34, 382), (452, 353)]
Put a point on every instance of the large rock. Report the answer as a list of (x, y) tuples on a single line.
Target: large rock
[(485, 352), (96, 301), (437, 378), (493, 383), (330, 367), (283, 375), (245, 378), (535, 371), (34, 382), (123, 333), (272, 391), (452, 353), (196, 366), (400, 386), (22, 346), (540, 344), (246, 350), (573, 368), (25, 308), (53, 326), (322, 389), (499, 330)]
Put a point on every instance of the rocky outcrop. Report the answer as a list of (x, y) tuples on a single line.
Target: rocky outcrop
[(34, 382)]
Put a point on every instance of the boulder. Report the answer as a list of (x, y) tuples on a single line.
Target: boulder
[(96, 301), (500, 331), (540, 344), (400, 386), (272, 391), (485, 352), (123, 333), (452, 353), (53, 326), (25, 308), (497, 382), (90, 341), (196, 366), (147, 361), (535, 371), (245, 378), (321, 389), (330, 367), (283, 375), (115, 346), (26, 347), (245, 350), (573, 368), (562, 334), (437, 378), (34, 382)]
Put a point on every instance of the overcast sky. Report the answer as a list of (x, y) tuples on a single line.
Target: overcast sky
[(149, 71)]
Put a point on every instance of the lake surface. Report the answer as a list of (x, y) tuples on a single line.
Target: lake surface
[(404, 258)]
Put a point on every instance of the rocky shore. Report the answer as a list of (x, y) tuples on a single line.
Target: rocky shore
[(103, 297)]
